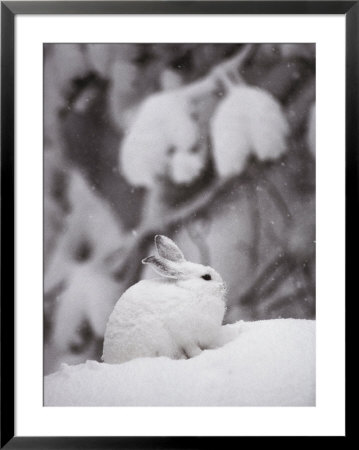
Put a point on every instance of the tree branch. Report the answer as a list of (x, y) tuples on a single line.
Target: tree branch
[(221, 73), (251, 295), (129, 268)]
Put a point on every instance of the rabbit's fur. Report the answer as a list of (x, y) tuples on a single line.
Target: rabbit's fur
[(176, 316)]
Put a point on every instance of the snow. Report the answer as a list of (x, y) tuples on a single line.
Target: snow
[(89, 291), (91, 222), (87, 299), (160, 142), (249, 120), (267, 363)]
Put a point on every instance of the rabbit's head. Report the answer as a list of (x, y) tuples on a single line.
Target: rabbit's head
[(170, 263)]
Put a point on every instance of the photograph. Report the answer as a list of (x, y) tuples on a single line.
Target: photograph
[(179, 218)]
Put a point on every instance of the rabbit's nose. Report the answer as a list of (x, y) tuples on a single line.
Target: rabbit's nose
[(223, 286)]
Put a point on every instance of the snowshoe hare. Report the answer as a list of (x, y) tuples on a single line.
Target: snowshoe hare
[(176, 316)]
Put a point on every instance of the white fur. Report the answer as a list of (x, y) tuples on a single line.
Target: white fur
[(248, 121), (173, 317)]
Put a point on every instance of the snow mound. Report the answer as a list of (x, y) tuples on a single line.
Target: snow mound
[(267, 363)]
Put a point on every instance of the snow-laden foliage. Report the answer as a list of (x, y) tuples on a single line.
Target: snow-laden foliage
[(248, 121), (53, 209), (89, 233), (161, 142), (87, 292), (311, 133), (268, 363), (175, 316)]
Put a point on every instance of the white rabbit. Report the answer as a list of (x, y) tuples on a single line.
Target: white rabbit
[(176, 316)]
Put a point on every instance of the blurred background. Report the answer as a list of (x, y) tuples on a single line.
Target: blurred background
[(212, 145)]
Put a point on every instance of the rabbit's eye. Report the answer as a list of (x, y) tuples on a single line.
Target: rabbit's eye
[(195, 149), (207, 277)]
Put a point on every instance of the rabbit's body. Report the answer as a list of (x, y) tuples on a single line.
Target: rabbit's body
[(173, 317), (158, 318)]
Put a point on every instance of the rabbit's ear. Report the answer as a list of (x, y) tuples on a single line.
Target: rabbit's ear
[(168, 249), (163, 267)]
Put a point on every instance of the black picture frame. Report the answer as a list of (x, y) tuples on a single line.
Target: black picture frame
[(9, 10)]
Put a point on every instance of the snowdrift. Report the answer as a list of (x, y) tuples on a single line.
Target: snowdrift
[(267, 363)]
